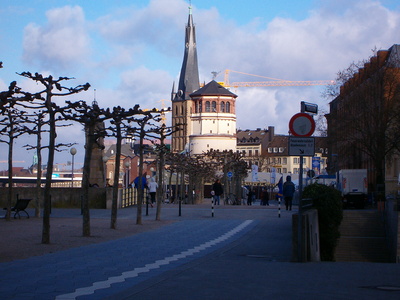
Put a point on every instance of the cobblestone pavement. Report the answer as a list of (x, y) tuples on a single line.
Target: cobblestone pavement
[(240, 253)]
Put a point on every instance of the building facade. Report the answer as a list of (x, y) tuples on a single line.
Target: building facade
[(261, 147), (363, 122)]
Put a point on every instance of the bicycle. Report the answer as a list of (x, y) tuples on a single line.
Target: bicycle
[(232, 200)]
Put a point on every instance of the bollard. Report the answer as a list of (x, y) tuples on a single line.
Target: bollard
[(279, 207)]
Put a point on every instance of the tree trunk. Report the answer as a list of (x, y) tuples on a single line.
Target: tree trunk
[(114, 205), (49, 173), (160, 189), (10, 175), (140, 183), (39, 169), (90, 141)]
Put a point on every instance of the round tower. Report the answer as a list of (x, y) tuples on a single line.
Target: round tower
[(213, 119)]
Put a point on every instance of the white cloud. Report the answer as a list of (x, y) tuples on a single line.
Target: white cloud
[(314, 48), (63, 43), (140, 50)]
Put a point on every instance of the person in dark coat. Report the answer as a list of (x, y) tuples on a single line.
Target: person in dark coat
[(218, 191), (250, 196), (288, 192), (265, 197)]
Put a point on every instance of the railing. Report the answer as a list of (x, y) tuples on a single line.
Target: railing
[(306, 203), (128, 197)]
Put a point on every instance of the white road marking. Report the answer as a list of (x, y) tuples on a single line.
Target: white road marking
[(155, 265)]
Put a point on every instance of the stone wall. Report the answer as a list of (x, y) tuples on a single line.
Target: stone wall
[(393, 228), (60, 197)]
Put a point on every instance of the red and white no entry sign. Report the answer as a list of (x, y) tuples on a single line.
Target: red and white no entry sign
[(302, 124)]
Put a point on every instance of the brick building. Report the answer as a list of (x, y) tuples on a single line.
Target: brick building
[(363, 121)]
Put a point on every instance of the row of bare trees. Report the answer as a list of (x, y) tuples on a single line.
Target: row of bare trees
[(40, 112)]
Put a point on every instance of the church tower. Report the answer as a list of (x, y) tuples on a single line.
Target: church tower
[(188, 83)]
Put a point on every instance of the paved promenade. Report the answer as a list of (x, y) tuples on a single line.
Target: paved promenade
[(240, 253)]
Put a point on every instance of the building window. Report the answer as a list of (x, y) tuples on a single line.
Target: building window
[(200, 107), (276, 150), (281, 149), (269, 150), (285, 161), (279, 160), (256, 152), (250, 152), (222, 106), (284, 170), (214, 106), (207, 106), (228, 107)]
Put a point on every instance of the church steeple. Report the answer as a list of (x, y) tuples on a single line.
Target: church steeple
[(189, 76)]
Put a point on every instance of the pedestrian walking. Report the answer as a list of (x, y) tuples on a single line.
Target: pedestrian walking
[(288, 192), (218, 191), (152, 190), (264, 197), (250, 196), (245, 193), (141, 186)]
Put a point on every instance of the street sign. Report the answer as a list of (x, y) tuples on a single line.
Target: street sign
[(301, 146), (302, 124), (229, 174), (309, 107)]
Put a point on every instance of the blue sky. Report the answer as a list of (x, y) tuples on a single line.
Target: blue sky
[(131, 51)]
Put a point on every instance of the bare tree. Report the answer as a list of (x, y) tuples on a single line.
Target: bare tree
[(51, 88), (143, 129), (39, 121), (92, 118), (11, 127), (364, 117)]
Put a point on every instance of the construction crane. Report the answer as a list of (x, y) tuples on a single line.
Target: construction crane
[(270, 82)]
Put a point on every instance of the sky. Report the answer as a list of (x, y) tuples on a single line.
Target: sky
[(131, 51)]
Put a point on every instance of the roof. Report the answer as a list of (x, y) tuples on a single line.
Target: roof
[(394, 57), (213, 88), (251, 136), (189, 76)]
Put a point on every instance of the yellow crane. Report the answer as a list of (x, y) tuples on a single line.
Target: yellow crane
[(270, 82)]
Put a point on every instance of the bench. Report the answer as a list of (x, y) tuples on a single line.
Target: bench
[(20, 206)]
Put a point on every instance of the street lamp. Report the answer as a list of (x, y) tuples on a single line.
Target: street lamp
[(127, 166), (130, 140), (73, 152)]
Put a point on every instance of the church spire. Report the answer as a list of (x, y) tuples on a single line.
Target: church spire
[(189, 76)]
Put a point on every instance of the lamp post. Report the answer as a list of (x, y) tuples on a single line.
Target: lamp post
[(105, 159), (127, 168), (73, 152)]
